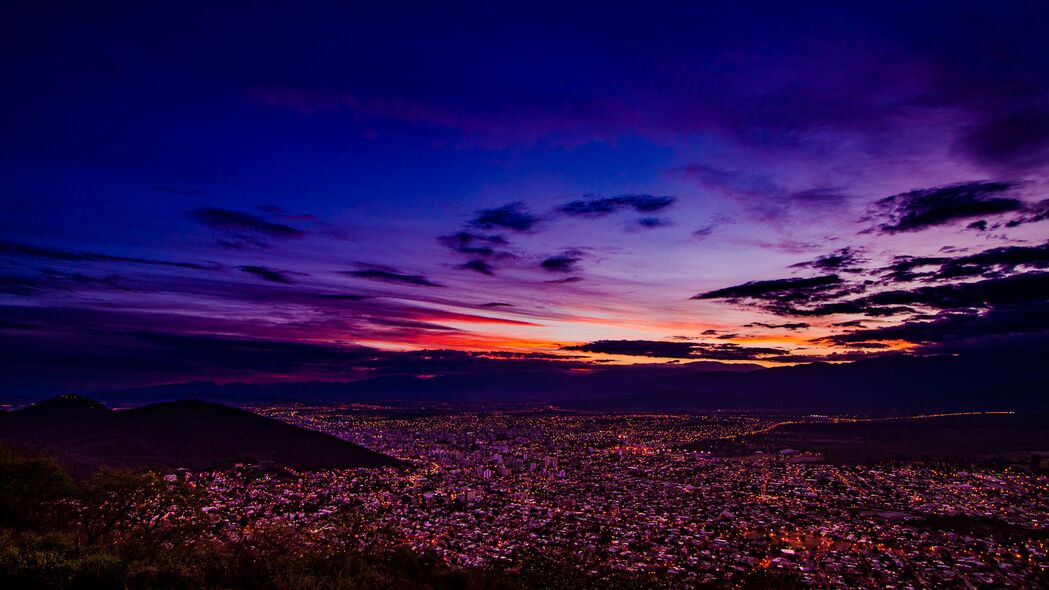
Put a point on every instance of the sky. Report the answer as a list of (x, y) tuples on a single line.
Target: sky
[(236, 192)]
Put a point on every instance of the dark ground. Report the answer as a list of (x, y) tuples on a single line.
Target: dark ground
[(976, 438)]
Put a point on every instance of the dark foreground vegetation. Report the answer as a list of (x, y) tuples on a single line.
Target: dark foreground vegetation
[(121, 529)]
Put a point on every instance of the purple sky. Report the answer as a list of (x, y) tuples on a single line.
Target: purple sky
[(205, 192)]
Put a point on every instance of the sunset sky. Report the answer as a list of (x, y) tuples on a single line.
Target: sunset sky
[(230, 193)]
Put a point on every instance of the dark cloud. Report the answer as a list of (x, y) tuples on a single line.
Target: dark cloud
[(502, 354), (479, 266), (787, 326), (846, 259), (52, 280), (948, 285), (267, 274), (283, 213), (654, 348), (681, 350), (567, 261), (1033, 214), (19, 285), (565, 280), (391, 276), (465, 242), (243, 229), (412, 326), (813, 296), (483, 250), (512, 216), (980, 225), (777, 291), (486, 249), (923, 208), (18, 249), (788, 245), (601, 206), (227, 219), (953, 327), (1007, 277), (1017, 289), (992, 262), (703, 232), (341, 296), (860, 306), (1017, 139), (653, 222), (817, 198), (13, 325), (496, 304)]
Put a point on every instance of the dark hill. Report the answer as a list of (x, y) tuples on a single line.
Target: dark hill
[(84, 436), (942, 438), (65, 406)]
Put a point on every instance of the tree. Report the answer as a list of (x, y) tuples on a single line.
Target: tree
[(140, 507), (30, 485)]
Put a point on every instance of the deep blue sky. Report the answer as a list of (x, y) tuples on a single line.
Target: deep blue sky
[(241, 192)]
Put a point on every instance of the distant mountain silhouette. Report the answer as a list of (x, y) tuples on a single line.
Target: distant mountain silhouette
[(85, 435), (892, 383), (548, 386), (1000, 378)]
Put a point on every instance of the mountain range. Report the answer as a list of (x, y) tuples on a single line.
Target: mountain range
[(1005, 379)]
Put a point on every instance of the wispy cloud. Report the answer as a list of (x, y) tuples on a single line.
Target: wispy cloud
[(566, 261), (27, 250), (243, 229), (391, 276), (267, 274)]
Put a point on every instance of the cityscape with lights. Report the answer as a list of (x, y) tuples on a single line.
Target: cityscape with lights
[(625, 491)]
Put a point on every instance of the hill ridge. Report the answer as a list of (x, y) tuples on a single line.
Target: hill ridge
[(194, 434)]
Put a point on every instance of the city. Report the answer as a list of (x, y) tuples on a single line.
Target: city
[(618, 492)]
